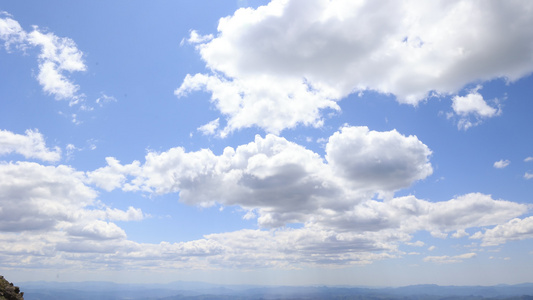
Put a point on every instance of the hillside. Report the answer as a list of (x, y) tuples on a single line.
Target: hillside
[(8, 291)]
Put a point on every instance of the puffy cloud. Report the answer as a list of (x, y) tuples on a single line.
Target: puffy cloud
[(98, 230), (472, 109), (528, 175), (473, 103), (409, 214), (501, 163), (379, 160), (36, 198), (459, 234), (472, 210), (445, 259), (132, 214), (281, 64), (31, 145), (528, 159), (58, 57), (272, 104), (113, 175), (270, 178), (49, 216), (282, 181), (515, 229), (350, 228)]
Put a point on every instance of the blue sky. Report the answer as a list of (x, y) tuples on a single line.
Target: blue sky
[(284, 142)]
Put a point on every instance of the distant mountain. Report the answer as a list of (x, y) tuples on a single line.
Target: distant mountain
[(205, 291)]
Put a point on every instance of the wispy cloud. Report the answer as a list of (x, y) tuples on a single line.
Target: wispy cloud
[(501, 163), (58, 57), (445, 259)]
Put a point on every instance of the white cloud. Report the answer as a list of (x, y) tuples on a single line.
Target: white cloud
[(501, 163), (282, 182), (528, 175), (384, 161), (472, 109), (272, 104), (473, 104), (515, 229), (97, 230), (196, 38), (318, 52), (31, 145), (431, 248), (103, 99), (271, 179), (445, 259), (113, 175), (209, 128), (132, 214), (11, 32), (528, 159), (58, 57), (416, 244), (459, 234), (37, 198)]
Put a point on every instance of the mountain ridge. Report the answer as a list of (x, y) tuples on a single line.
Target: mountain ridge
[(183, 290)]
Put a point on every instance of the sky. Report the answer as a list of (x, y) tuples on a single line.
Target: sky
[(289, 142)]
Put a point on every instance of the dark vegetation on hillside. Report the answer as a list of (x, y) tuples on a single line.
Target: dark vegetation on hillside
[(8, 291)]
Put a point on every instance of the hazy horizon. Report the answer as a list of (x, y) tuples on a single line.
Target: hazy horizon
[(284, 142)]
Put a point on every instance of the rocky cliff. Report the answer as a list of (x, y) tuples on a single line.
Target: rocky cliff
[(8, 291)]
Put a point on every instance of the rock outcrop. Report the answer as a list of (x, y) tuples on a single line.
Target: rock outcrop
[(8, 291)]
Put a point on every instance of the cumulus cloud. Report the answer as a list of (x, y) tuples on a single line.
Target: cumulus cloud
[(459, 234), (261, 101), (282, 64), (378, 160), (98, 230), (280, 182), (528, 159), (48, 215), (528, 175), (36, 198), (445, 259), (501, 163), (271, 179), (58, 57), (472, 109), (515, 229), (31, 145), (113, 175)]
